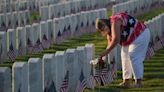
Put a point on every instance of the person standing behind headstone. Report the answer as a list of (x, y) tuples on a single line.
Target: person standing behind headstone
[(134, 38)]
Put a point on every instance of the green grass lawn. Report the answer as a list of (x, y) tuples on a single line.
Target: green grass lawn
[(153, 76)]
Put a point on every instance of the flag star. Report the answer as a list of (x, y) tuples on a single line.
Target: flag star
[(131, 21), (124, 33)]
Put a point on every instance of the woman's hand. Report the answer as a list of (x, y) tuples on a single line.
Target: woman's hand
[(104, 53), (112, 39)]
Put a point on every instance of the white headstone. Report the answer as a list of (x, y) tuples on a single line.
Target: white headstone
[(35, 75), (11, 48), (150, 26), (88, 69), (81, 59), (67, 8), (9, 20), (51, 11), (29, 35), (78, 6), (5, 79), (71, 58), (57, 10), (16, 5), (83, 5), (155, 24), (87, 4), (93, 17), (27, 17), (162, 18), (74, 23), (159, 20), (15, 19), (56, 27), (48, 68), (61, 24), (103, 13), (21, 41), (50, 31), (21, 17), (44, 29), (36, 30), (62, 9), (44, 13), (44, 34), (67, 27), (93, 4), (29, 38), (60, 69), (73, 7), (2, 22), (83, 19), (20, 77), (54, 11), (114, 9), (3, 47)]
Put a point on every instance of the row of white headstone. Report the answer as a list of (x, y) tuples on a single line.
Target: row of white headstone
[(20, 5), (12, 6), (14, 19), (38, 36), (48, 73), (156, 28), (70, 7), (135, 6)]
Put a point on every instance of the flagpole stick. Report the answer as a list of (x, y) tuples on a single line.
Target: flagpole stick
[(99, 78), (93, 76)]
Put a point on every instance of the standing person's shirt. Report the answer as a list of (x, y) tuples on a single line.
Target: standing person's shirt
[(130, 29)]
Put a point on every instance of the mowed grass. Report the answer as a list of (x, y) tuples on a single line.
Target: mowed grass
[(153, 76)]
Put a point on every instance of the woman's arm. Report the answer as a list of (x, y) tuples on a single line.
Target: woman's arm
[(115, 37)]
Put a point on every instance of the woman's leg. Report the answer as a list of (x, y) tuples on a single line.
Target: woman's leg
[(137, 52), (126, 66)]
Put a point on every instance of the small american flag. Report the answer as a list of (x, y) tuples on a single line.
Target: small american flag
[(29, 46), (59, 38), (149, 53), (64, 33), (64, 86), (38, 47), (109, 77), (51, 40), (11, 53), (45, 42), (82, 84), (20, 50), (158, 45), (114, 70), (97, 76), (162, 40), (50, 88), (103, 76), (90, 82)]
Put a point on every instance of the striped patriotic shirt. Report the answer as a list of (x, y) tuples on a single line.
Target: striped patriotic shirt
[(130, 29)]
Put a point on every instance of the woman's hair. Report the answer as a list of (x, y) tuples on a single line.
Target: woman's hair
[(102, 23)]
